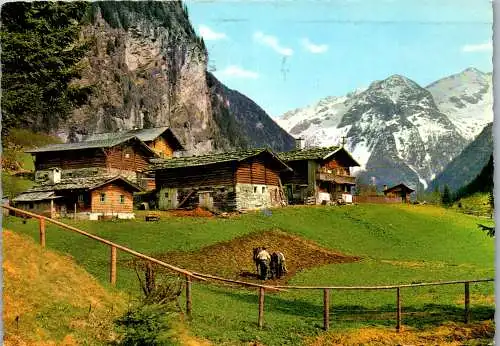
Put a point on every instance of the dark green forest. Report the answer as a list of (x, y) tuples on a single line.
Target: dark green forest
[(41, 52)]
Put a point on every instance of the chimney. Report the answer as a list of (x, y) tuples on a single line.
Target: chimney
[(54, 175), (299, 143), (385, 187)]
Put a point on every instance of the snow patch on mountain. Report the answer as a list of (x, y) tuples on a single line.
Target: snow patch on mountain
[(395, 125), (467, 99)]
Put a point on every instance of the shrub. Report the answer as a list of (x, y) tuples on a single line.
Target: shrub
[(147, 324), (150, 323)]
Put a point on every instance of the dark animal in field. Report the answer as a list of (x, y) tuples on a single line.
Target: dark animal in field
[(278, 267)]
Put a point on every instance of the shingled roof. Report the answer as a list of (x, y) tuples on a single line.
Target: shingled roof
[(99, 143), (86, 183), (35, 196), (210, 159), (320, 153), (145, 135)]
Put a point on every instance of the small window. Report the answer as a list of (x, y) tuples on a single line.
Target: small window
[(255, 189), (80, 198), (103, 197), (122, 199), (127, 155), (31, 205), (263, 189), (166, 194)]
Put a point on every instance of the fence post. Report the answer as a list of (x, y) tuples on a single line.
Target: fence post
[(398, 313), (326, 308), (188, 296), (112, 271), (261, 306), (42, 231), (467, 303)]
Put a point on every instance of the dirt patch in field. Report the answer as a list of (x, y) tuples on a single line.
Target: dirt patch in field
[(233, 259), (197, 212)]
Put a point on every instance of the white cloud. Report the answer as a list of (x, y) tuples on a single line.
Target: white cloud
[(481, 47), (210, 35), (238, 72), (314, 48), (272, 41)]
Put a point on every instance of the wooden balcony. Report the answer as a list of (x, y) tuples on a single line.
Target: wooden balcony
[(338, 179)]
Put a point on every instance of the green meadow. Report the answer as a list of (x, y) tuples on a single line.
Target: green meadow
[(398, 244)]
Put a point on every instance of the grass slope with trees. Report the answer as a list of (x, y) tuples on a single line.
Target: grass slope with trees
[(396, 243)]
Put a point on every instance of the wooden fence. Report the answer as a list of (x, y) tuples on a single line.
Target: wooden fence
[(190, 275), (376, 199)]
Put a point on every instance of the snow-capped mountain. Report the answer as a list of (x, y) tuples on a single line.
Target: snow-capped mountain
[(395, 128), (467, 99)]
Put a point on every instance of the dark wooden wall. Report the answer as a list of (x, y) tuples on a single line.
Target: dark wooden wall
[(70, 159), (210, 175), (299, 174), (116, 157), (257, 171)]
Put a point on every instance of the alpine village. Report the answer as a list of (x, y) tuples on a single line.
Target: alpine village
[(145, 202)]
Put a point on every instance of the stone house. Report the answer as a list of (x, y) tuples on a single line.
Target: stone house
[(238, 180)]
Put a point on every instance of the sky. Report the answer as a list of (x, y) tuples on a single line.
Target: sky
[(287, 54)]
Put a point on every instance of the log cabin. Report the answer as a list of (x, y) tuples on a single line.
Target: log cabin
[(238, 180), (319, 175), (400, 191), (89, 198), (122, 155), (160, 139)]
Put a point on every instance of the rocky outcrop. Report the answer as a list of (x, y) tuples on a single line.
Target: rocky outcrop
[(148, 68)]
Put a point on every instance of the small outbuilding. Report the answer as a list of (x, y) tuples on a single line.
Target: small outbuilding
[(401, 190), (238, 180), (85, 198)]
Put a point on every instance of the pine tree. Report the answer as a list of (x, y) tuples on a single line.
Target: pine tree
[(446, 197), (40, 55)]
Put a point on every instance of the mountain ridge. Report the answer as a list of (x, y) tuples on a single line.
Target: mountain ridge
[(392, 118)]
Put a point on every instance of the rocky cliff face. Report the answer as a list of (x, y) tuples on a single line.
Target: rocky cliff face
[(148, 68)]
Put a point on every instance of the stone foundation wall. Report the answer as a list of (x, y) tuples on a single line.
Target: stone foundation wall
[(216, 198), (257, 196)]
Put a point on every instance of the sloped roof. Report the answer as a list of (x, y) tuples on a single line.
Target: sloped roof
[(145, 135), (399, 187), (35, 196), (98, 143), (209, 159), (86, 183), (320, 153)]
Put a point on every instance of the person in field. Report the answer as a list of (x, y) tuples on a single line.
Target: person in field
[(263, 261)]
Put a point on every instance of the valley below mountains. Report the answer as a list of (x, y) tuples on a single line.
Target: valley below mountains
[(399, 131)]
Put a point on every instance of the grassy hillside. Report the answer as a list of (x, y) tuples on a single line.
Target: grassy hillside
[(476, 204), (15, 160), (48, 299), (396, 243)]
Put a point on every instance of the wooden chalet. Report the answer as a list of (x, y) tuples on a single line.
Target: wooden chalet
[(84, 198), (127, 156), (320, 175), (160, 139), (239, 180), (399, 191)]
